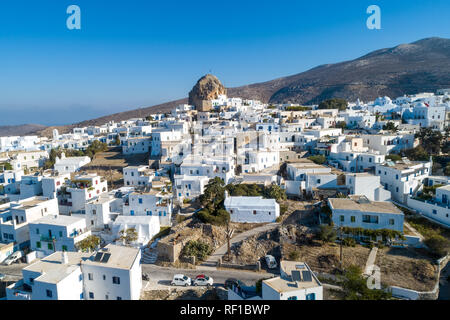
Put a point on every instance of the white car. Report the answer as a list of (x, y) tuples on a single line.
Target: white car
[(203, 280), (13, 258), (181, 280), (271, 262)]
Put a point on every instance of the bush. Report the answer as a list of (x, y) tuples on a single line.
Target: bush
[(319, 159), (437, 244), (349, 242), (293, 255), (393, 157), (220, 217), (200, 250), (327, 233)]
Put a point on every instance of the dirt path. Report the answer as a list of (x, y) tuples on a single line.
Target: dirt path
[(220, 252)]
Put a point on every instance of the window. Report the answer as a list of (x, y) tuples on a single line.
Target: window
[(64, 248), (60, 234), (391, 222), (38, 244), (318, 181), (116, 280), (80, 278), (231, 211), (254, 211), (106, 297), (342, 218), (91, 295), (104, 277), (90, 276), (434, 211), (50, 246), (140, 200), (311, 296), (49, 293), (119, 298), (352, 219), (37, 231), (292, 298)]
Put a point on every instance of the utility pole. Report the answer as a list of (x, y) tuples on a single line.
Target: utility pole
[(229, 235)]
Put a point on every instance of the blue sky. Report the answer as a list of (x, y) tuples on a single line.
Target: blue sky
[(137, 53)]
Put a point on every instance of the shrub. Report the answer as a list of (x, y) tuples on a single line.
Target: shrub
[(293, 255), (437, 244), (200, 250), (319, 159), (349, 242), (393, 157), (220, 217), (327, 233)]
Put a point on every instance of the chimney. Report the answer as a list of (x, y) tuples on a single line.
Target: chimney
[(65, 258)]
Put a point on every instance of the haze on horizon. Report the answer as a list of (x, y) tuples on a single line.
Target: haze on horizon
[(136, 54)]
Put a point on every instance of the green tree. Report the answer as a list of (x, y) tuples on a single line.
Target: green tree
[(390, 126), (90, 243), (355, 286), (334, 103), (128, 236), (327, 233), (200, 250), (393, 157), (417, 154), (438, 244), (276, 192), (431, 140), (214, 194)]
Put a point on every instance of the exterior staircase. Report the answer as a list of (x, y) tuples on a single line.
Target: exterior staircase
[(149, 256)]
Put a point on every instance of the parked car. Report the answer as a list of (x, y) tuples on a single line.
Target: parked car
[(203, 280), (229, 283), (181, 280), (13, 258), (271, 262)]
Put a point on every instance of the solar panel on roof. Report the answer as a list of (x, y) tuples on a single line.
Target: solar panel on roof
[(307, 276), (106, 257), (98, 256), (296, 276)]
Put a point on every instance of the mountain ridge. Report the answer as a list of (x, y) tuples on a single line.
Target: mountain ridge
[(420, 66)]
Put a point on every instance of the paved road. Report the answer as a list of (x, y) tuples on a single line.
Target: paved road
[(220, 252), (164, 275)]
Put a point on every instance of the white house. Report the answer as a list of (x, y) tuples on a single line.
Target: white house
[(360, 212), (77, 192), (14, 222), (146, 227), (296, 282), (112, 273), (71, 164), (189, 187), (149, 203), (252, 209), (56, 233), (403, 178), (138, 176), (436, 209)]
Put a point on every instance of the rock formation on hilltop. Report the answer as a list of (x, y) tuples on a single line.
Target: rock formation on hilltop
[(207, 88)]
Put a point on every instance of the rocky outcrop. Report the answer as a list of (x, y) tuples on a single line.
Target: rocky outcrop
[(207, 88)]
